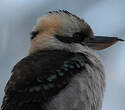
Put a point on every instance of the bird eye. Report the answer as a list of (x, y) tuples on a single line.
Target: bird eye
[(80, 37), (77, 37), (34, 34)]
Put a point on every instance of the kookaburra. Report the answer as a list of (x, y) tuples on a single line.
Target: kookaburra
[(61, 70)]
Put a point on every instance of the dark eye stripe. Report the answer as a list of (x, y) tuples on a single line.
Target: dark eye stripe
[(77, 37), (34, 34), (65, 39)]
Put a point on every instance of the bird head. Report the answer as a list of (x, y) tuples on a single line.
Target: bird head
[(63, 30)]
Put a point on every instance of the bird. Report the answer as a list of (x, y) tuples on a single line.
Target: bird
[(62, 70)]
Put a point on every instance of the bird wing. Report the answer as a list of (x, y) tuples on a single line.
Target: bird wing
[(37, 78)]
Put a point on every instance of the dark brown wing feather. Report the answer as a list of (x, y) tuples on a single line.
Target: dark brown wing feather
[(37, 78)]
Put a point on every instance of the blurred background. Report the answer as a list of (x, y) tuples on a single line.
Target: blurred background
[(106, 17)]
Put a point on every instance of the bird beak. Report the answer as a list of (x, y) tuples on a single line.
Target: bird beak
[(102, 42)]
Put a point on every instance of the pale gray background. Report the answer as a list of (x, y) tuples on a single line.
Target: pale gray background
[(106, 17)]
